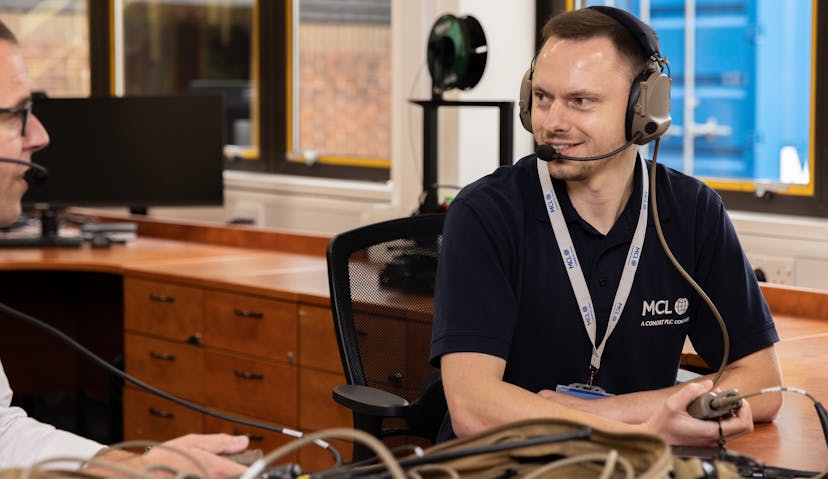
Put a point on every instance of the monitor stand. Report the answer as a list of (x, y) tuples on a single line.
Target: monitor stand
[(138, 210), (49, 237)]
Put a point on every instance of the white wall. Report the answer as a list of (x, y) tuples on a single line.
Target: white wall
[(510, 37), (791, 250)]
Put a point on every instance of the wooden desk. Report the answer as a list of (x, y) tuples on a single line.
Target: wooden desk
[(246, 330), (795, 438), (291, 269)]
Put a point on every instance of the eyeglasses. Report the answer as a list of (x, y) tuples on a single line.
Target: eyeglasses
[(24, 111)]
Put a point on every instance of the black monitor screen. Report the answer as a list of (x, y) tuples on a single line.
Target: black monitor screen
[(130, 151)]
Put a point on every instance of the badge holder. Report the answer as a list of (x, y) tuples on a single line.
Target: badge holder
[(583, 391)]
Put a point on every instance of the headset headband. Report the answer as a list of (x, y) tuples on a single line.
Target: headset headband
[(644, 36)]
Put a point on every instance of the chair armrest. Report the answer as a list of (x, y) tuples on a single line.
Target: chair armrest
[(368, 401)]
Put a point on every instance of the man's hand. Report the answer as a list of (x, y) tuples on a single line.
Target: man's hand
[(671, 420), (204, 448), (677, 426)]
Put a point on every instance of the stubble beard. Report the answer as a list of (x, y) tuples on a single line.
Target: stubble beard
[(570, 170)]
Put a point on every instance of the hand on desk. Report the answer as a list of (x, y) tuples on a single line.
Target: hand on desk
[(205, 448), (669, 420)]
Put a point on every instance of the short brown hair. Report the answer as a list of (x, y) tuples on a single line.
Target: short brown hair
[(6, 34), (587, 23)]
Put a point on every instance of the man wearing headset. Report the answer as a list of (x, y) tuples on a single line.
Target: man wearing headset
[(552, 286), (24, 441)]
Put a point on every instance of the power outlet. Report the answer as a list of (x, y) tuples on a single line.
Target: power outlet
[(777, 269)]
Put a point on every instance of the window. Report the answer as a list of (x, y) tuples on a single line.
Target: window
[(340, 88), (742, 97), (54, 39), (194, 47)]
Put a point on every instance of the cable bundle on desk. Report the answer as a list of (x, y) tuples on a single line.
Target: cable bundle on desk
[(529, 449)]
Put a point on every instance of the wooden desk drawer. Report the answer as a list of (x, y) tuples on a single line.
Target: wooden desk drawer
[(175, 368), (318, 347), (164, 309), (257, 388), (250, 325), (151, 418), (317, 408)]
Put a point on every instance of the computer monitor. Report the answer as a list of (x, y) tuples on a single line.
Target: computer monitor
[(135, 152), (130, 151), (237, 97)]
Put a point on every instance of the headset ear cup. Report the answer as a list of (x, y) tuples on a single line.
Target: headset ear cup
[(525, 101), (648, 108), (632, 101)]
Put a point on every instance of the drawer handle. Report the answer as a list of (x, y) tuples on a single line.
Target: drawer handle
[(252, 437), (248, 375), (361, 333), (161, 298), (162, 414), (162, 356), (396, 379), (248, 314)]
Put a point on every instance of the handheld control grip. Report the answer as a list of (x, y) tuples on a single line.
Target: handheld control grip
[(246, 457), (711, 405)]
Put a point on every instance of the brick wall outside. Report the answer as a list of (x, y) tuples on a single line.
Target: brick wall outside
[(345, 89), (55, 49)]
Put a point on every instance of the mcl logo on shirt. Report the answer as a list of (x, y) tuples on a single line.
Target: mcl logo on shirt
[(662, 307)]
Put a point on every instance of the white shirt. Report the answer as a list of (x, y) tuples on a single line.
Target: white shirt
[(25, 441)]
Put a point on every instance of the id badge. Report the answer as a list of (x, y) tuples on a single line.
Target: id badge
[(583, 391)]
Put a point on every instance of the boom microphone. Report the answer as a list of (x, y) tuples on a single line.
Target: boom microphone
[(35, 175), (547, 153)]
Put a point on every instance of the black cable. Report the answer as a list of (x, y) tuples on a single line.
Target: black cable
[(749, 467), (126, 377)]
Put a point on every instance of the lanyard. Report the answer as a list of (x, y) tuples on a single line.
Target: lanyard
[(573, 266)]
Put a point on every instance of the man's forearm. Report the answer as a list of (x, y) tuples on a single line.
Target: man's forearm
[(631, 408), (480, 401), (750, 374), (515, 404)]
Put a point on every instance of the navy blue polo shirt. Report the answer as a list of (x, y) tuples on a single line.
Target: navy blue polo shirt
[(502, 288)]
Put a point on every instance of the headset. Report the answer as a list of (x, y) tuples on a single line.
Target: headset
[(648, 107)]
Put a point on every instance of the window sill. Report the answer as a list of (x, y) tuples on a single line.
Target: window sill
[(302, 185), (780, 226)]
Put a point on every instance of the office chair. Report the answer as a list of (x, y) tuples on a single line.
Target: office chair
[(381, 278)]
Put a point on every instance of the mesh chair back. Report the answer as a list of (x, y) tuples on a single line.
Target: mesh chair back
[(382, 293)]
